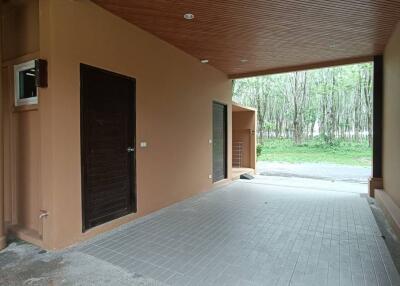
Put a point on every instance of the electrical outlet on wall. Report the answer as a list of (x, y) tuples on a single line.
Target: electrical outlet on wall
[(210, 176)]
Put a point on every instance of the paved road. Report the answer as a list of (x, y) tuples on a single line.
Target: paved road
[(332, 172), (311, 184)]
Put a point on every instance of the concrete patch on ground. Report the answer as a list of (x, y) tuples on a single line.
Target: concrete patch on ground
[(25, 264)]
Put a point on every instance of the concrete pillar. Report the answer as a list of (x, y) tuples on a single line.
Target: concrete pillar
[(376, 181), (2, 226)]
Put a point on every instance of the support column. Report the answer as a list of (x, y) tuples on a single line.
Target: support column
[(376, 181), (2, 227)]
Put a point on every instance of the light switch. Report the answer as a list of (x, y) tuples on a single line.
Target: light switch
[(143, 144), (210, 141), (210, 176)]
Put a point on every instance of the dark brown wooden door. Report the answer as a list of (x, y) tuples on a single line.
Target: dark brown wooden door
[(219, 141), (107, 142)]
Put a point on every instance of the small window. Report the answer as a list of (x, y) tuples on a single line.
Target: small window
[(25, 84)]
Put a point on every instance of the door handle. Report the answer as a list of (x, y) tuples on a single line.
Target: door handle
[(130, 149)]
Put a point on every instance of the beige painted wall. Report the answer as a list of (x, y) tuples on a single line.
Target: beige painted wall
[(2, 228), (20, 28), (174, 114), (21, 126), (21, 160), (391, 118), (243, 130)]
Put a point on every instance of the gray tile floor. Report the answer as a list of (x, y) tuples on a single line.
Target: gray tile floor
[(252, 233)]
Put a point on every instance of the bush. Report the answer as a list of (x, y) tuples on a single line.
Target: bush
[(259, 150)]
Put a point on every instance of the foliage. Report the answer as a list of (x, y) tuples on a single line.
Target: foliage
[(332, 103), (316, 150), (259, 150)]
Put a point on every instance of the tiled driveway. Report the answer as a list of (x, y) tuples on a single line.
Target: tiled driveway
[(249, 233)]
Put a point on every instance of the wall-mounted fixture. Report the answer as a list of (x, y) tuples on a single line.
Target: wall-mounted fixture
[(43, 214), (41, 73), (28, 77)]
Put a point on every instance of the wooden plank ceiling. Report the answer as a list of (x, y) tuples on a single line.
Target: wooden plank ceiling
[(248, 37)]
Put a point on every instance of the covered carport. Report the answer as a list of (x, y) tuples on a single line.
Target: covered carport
[(172, 222)]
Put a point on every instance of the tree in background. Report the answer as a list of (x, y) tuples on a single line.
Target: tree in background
[(332, 103)]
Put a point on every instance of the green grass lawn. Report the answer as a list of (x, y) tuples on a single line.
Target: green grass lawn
[(316, 151)]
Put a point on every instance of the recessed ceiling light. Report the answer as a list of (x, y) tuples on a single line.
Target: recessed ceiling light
[(188, 16), (204, 61), (244, 60)]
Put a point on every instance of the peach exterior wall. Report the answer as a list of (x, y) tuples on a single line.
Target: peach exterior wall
[(21, 127), (243, 129), (174, 114), (391, 118), (20, 29), (2, 225)]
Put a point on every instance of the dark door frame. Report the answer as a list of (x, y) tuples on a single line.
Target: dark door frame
[(225, 138), (132, 166)]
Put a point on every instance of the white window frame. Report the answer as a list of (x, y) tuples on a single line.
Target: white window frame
[(23, 101)]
